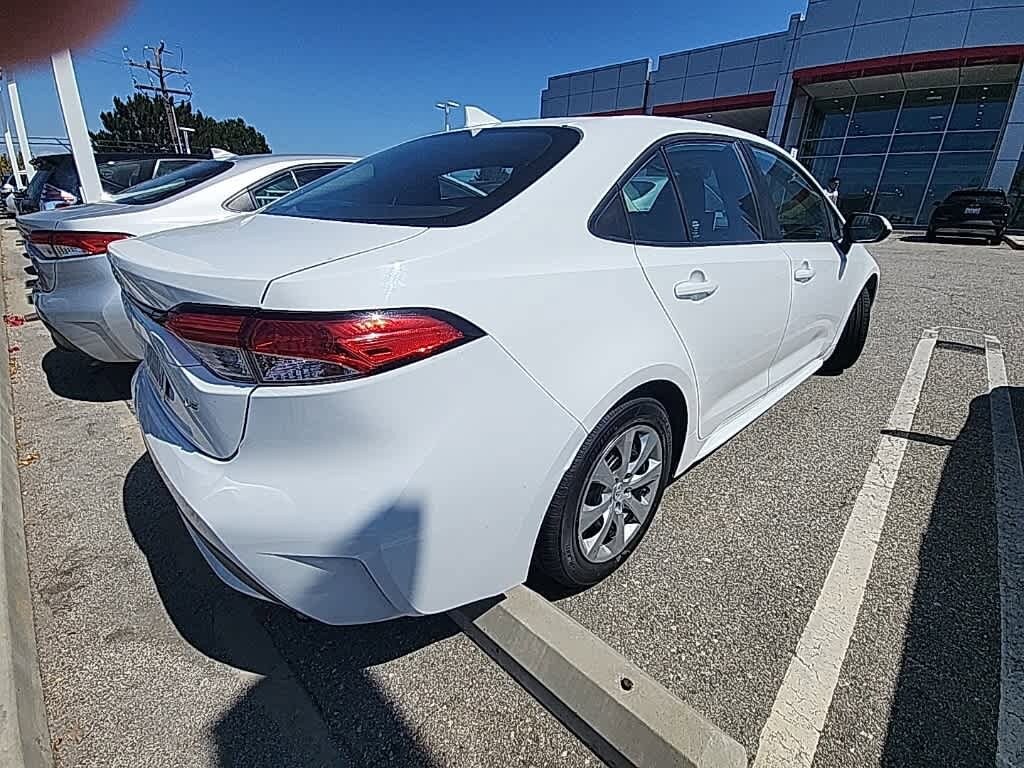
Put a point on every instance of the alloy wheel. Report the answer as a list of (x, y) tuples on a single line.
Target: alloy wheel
[(619, 493)]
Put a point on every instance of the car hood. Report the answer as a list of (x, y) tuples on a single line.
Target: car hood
[(231, 263)]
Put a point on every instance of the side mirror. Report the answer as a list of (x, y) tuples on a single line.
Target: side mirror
[(866, 228)]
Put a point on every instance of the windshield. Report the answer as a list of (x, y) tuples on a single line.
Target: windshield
[(443, 180), (162, 187)]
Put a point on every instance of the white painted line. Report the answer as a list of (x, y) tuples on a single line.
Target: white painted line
[(1009, 497), (790, 736)]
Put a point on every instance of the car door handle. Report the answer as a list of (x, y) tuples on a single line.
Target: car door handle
[(804, 273), (698, 287)]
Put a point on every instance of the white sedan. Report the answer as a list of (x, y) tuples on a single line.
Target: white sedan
[(75, 294), (393, 391)]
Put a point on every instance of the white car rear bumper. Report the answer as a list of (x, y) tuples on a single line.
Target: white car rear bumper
[(79, 300), (407, 493)]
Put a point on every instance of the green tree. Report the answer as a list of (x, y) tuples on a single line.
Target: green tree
[(139, 123)]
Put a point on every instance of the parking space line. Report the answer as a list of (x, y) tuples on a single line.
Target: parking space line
[(1009, 502), (790, 735)]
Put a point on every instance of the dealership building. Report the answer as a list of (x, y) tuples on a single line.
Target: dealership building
[(903, 100)]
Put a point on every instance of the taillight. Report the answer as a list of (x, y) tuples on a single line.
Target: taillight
[(281, 348), (62, 245)]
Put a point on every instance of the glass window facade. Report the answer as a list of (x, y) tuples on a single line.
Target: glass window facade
[(900, 153)]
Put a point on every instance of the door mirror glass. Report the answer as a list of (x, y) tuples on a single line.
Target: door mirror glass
[(866, 228)]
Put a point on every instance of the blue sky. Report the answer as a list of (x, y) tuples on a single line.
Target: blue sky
[(317, 76)]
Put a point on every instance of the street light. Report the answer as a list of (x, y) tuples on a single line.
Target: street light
[(446, 107)]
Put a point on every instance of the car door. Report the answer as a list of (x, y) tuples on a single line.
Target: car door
[(807, 228), (725, 289)]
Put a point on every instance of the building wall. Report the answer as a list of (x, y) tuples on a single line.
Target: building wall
[(615, 88), (733, 69), (830, 32), (835, 31)]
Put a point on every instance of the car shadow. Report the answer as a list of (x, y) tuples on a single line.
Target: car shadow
[(317, 703), (75, 376), (946, 705)]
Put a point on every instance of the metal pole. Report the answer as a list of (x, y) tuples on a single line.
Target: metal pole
[(74, 121), (19, 121), (12, 157)]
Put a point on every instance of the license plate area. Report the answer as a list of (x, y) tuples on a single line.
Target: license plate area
[(972, 210)]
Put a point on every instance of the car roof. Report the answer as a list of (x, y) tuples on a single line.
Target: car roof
[(639, 127)]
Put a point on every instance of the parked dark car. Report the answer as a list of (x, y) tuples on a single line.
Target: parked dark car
[(975, 212), (55, 183)]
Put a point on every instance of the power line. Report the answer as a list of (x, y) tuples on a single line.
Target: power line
[(154, 66)]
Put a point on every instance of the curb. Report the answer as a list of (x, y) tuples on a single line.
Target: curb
[(626, 717), (24, 734)]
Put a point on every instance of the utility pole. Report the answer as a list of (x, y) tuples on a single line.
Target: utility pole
[(19, 121), (155, 67)]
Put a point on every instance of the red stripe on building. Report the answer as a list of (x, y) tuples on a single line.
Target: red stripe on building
[(908, 62), (720, 104), (614, 112)]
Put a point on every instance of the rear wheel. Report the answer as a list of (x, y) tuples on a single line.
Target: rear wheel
[(607, 500), (995, 240), (851, 343), (930, 235)]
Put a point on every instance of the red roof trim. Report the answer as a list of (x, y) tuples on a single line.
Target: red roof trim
[(887, 65), (614, 112), (719, 104)]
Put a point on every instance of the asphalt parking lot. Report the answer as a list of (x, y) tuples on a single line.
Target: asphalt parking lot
[(146, 659)]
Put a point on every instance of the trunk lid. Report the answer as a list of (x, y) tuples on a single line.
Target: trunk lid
[(232, 262), (229, 263)]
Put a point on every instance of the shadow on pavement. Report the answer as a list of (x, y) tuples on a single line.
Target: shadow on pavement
[(77, 377), (946, 706), (316, 704)]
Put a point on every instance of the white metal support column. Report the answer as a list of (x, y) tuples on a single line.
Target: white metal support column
[(74, 121), (19, 121), (12, 157)]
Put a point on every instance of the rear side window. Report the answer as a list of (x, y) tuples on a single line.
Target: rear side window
[(718, 202), (799, 208), (274, 189), (444, 180), (611, 223), (306, 175), (651, 205), (118, 175)]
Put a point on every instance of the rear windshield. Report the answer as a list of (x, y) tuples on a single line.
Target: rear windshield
[(162, 187), (438, 181)]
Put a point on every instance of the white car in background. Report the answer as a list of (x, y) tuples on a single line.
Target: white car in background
[(388, 394), (75, 294)]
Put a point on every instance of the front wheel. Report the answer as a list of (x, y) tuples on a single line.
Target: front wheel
[(851, 343), (607, 500)]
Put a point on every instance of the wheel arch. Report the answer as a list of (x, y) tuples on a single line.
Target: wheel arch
[(672, 386), (672, 398), (872, 286)]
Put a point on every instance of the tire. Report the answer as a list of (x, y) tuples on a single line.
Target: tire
[(851, 342), (930, 235), (559, 554), (995, 240)]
